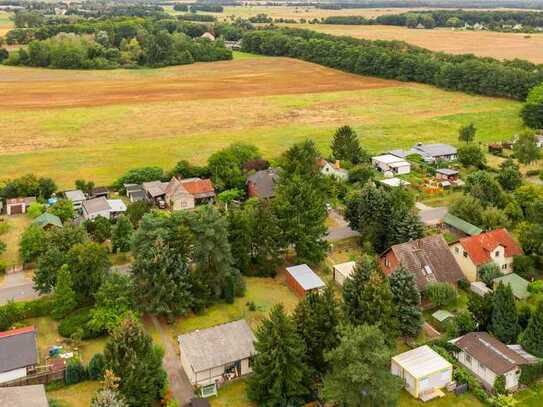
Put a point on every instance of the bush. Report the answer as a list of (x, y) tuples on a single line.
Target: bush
[(531, 373), (14, 312), (499, 385), (75, 372), (536, 287), (488, 272), (464, 284), (97, 366), (441, 294), (78, 321)]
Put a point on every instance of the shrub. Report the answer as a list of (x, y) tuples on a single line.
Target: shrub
[(499, 385), (531, 373), (14, 312), (441, 294), (78, 321), (488, 272), (536, 287), (463, 284), (75, 372), (97, 366)]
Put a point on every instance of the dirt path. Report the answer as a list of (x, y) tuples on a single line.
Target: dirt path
[(179, 382)]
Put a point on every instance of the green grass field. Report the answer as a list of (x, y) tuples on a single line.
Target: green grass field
[(12, 236), (77, 395)]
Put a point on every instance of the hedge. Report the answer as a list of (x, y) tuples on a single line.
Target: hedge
[(78, 320), (14, 312)]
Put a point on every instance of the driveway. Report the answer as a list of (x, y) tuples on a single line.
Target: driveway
[(431, 216), (179, 382), (17, 287), (341, 229)]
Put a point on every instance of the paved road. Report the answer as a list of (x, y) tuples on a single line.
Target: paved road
[(16, 287), (179, 382), (341, 230)]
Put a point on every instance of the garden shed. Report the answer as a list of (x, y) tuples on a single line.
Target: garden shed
[(301, 279), (518, 285), (343, 271)]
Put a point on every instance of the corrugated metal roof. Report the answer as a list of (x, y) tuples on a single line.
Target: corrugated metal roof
[(47, 219), (462, 225), (305, 277), (519, 286), (421, 361)]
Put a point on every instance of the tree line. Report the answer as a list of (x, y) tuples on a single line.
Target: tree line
[(398, 60)]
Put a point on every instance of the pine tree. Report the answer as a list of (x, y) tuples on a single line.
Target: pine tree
[(359, 372), (266, 240), (121, 235), (280, 373), (65, 298), (481, 310), (404, 225), (239, 236), (532, 338), (316, 318), (345, 146), (504, 315), (406, 296), (131, 356)]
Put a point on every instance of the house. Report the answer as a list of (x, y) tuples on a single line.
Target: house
[(18, 353), (23, 396), (177, 197), (333, 170), (394, 182), (435, 152), (301, 279), (391, 165), (343, 271), (99, 192), (208, 36), (93, 208), (487, 358), (448, 175), (116, 207), (77, 197), (218, 354), (424, 372), (134, 192), (16, 206), (47, 221), (518, 285), (428, 258), (496, 246), (202, 190), (460, 226), (155, 191), (261, 184), (179, 193)]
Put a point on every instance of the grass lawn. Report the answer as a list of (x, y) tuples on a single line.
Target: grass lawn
[(16, 226), (531, 397), (232, 395), (77, 395), (5, 23), (450, 400)]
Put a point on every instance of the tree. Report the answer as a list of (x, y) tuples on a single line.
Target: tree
[(532, 338), (532, 111), (360, 370), (405, 225), (138, 176), (136, 210), (65, 298), (84, 186), (483, 186), (441, 294), (471, 155), (406, 297), (468, 208), (316, 318), (88, 264), (524, 266), (64, 209), (499, 384), (345, 146), (463, 323), (121, 235), (35, 209), (49, 263), (488, 272), (504, 315), (3, 247), (301, 159), (97, 366), (481, 310), (509, 176), (467, 133), (494, 218), (114, 300), (280, 373), (131, 355), (525, 148), (99, 228), (33, 243), (107, 398), (226, 165)]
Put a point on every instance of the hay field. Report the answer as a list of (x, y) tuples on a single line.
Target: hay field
[(482, 43), (5, 23), (95, 125)]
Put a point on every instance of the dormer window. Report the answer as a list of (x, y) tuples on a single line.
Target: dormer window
[(497, 254)]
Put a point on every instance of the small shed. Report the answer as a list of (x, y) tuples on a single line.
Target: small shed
[(461, 225), (394, 182), (479, 288), (442, 315), (47, 220), (76, 196), (16, 206), (423, 370), (518, 285), (343, 271), (301, 279)]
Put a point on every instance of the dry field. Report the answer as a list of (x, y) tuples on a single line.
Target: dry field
[(5, 23), (482, 43), (95, 125)]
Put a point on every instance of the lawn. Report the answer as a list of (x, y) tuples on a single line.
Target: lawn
[(531, 397), (450, 400), (95, 124), (77, 395), (16, 225), (5, 23), (232, 395)]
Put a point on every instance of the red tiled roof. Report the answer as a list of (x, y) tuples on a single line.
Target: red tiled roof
[(480, 247), (17, 331), (198, 186)]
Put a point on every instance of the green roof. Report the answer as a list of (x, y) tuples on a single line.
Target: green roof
[(462, 225), (519, 286), (441, 315), (47, 219)]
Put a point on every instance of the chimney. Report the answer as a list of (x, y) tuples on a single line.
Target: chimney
[(338, 166)]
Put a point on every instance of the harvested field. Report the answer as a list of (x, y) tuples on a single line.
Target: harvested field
[(482, 43), (95, 125), (5, 23)]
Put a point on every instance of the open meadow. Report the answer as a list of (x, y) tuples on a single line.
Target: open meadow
[(5, 23), (97, 124)]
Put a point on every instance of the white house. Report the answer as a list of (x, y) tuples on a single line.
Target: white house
[(435, 152), (487, 358), (77, 197), (391, 165), (343, 271), (117, 207), (333, 170), (423, 371), (96, 207), (218, 354), (18, 353)]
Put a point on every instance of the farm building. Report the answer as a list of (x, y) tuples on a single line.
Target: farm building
[(18, 353), (47, 221), (391, 165), (134, 192), (424, 372), (77, 197), (343, 271), (16, 206), (218, 354), (435, 152), (518, 285), (116, 207), (487, 358), (23, 396), (301, 279), (98, 192)]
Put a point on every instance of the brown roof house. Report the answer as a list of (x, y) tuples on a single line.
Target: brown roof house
[(487, 358), (177, 197), (261, 184), (180, 193), (18, 353), (428, 258)]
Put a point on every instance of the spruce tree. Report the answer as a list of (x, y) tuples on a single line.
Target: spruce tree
[(239, 236), (131, 355), (404, 225), (532, 338), (345, 146), (316, 318), (504, 315), (121, 235), (65, 298), (267, 244), (481, 310), (280, 373), (406, 297)]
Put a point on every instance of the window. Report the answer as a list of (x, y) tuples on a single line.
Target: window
[(497, 254), (456, 250), (387, 262), (504, 266), (468, 359), (482, 367), (465, 254)]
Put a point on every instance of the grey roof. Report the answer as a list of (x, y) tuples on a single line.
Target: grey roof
[(23, 396), (264, 182), (218, 346), (435, 150), (447, 171), (305, 277), (96, 205), (137, 195), (133, 187), (398, 153), (75, 196), (17, 349), (155, 188)]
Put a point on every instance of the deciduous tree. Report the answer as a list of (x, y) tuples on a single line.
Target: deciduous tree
[(121, 235), (525, 148), (467, 133)]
